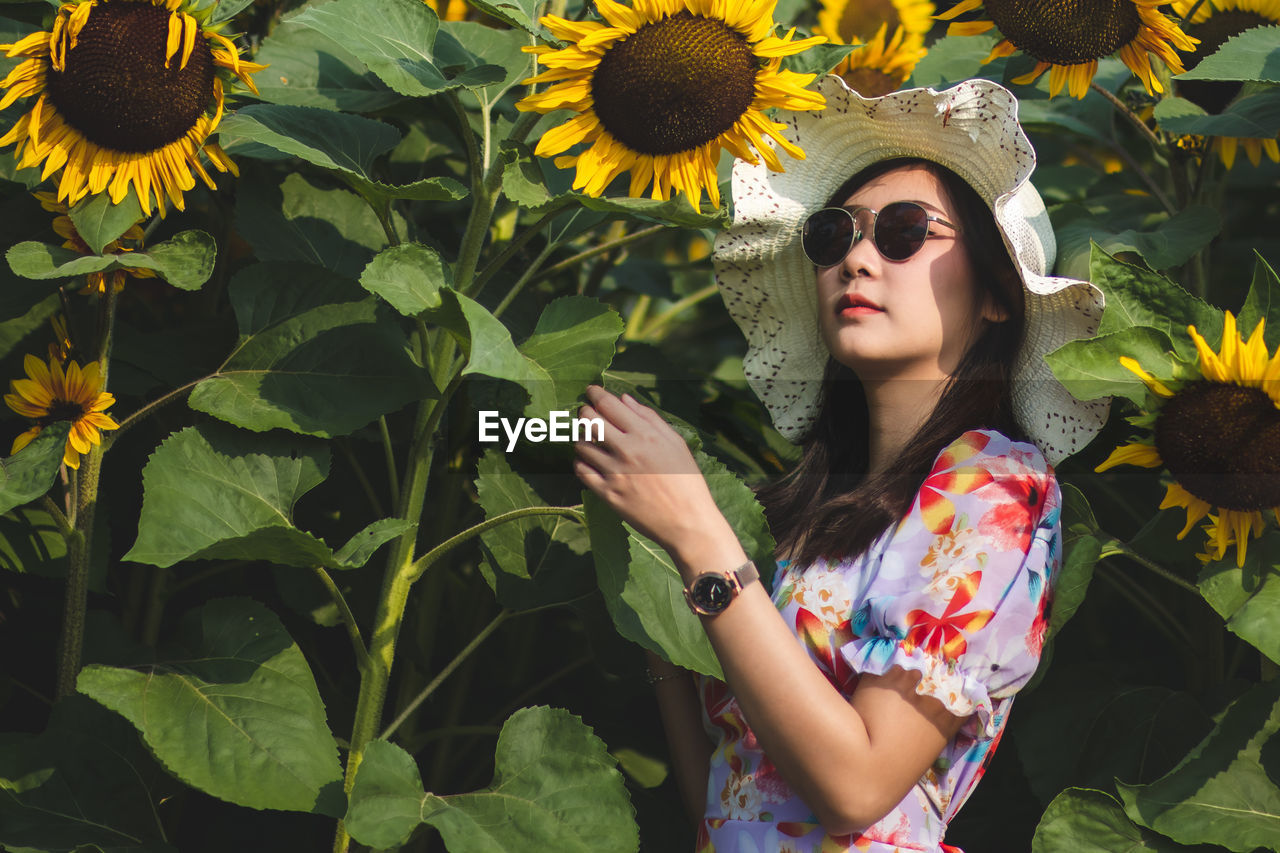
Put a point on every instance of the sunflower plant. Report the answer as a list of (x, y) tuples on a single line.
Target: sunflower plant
[(277, 272)]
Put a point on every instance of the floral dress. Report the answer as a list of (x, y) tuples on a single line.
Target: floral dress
[(958, 591)]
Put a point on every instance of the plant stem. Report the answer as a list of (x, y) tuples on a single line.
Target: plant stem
[(393, 476), (58, 516), (1129, 114), (1121, 548), (425, 562), (110, 439), (671, 313), (446, 672), (71, 642), (495, 266), (348, 618), (600, 249), (524, 279)]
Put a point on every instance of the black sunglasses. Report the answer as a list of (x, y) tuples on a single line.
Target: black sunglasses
[(898, 230)]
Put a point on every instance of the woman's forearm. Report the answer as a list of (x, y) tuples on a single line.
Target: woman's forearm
[(689, 746)]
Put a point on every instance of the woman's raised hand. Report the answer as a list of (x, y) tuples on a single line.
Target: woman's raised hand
[(644, 470)]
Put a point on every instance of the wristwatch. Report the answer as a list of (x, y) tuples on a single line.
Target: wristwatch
[(711, 592)]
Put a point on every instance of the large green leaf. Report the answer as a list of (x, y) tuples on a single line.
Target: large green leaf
[(1220, 793), (232, 709), (316, 355), (573, 342), (641, 584), (395, 39), (184, 260), (214, 493), (954, 58), (818, 59), (210, 484), (331, 140), (1248, 598), (98, 221), (84, 783), (500, 48), (1254, 116), (1083, 820), (531, 562), (1262, 303), (555, 787), (1091, 368), (308, 69), (1169, 243), (28, 474), (408, 276), (299, 221), (1082, 543), (1251, 55), (517, 13), (1139, 297)]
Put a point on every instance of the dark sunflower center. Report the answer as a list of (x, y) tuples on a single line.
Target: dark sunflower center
[(862, 19), (1210, 95), (1066, 32), (674, 84), (115, 89), (1222, 443), (63, 410)]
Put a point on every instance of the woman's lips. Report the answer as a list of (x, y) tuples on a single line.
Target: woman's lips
[(856, 305)]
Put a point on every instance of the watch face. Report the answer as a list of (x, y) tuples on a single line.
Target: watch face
[(711, 592)]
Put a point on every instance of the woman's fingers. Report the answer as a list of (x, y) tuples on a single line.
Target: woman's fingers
[(613, 410)]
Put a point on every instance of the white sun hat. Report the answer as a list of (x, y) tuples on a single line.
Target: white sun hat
[(770, 287)]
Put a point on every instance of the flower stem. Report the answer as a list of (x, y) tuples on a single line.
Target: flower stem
[(446, 672), (600, 249), (1123, 109), (71, 642), (671, 313), (1118, 547), (348, 618), (149, 408), (425, 562)]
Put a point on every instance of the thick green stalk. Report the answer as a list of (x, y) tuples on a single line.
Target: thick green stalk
[(71, 642)]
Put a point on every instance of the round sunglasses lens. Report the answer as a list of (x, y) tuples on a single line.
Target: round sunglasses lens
[(828, 234), (901, 229)]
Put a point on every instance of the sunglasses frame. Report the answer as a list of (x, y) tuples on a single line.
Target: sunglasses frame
[(857, 234)]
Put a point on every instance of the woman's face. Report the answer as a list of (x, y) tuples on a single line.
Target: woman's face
[(911, 319)]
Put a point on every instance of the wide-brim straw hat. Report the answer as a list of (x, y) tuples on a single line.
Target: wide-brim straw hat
[(770, 287)]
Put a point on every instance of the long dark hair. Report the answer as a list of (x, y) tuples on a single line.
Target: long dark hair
[(828, 506)]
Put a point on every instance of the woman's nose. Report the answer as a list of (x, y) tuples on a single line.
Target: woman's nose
[(862, 257)]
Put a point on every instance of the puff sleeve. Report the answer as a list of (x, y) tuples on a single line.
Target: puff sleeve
[(975, 561)]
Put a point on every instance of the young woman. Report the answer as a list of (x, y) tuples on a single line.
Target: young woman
[(893, 289)]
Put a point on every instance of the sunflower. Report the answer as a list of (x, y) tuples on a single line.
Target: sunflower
[(1070, 36), (884, 62), (663, 86), (50, 395), (128, 92), (454, 10), (1216, 430), (1213, 23), (95, 282)]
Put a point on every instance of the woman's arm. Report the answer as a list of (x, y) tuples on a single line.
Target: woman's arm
[(850, 761), (682, 721)]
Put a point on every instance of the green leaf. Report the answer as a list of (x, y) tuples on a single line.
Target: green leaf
[(531, 562), (1220, 793), (818, 59), (85, 782), (409, 277), (28, 474), (1082, 543), (555, 787), (330, 228), (307, 69), (225, 10), (208, 485), (30, 259), (185, 260), (1251, 55), (316, 356), (363, 545), (1252, 117), (1091, 368), (1248, 598), (232, 710), (98, 221), (1170, 243), (31, 543), (954, 58), (1138, 297), (517, 13), (339, 141), (500, 48), (641, 584), (1083, 820), (1262, 303), (488, 346), (645, 770), (573, 342), (395, 39)]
